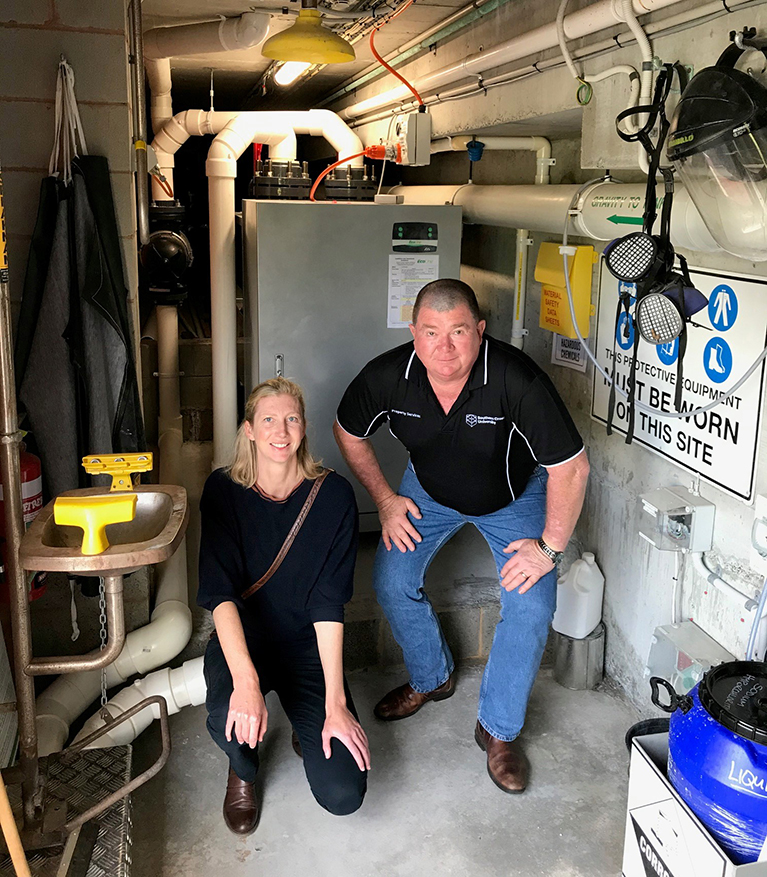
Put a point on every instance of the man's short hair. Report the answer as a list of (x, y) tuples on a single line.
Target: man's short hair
[(444, 295)]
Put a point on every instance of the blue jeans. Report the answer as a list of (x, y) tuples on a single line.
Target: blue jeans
[(520, 635)]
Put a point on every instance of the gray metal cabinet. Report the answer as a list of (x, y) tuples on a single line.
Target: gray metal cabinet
[(316, 291)]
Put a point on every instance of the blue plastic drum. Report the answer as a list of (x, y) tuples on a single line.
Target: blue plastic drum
[(718, 754)]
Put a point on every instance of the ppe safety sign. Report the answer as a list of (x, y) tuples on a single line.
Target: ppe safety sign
[(720, 445)]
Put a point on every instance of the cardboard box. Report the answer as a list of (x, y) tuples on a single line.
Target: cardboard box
[(664, 838)]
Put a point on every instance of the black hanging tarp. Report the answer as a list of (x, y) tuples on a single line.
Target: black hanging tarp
[(74, 355)]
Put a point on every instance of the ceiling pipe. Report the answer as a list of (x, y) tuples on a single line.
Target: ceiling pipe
[(582, 23), (208, 37), (541, 146), (600, 214)]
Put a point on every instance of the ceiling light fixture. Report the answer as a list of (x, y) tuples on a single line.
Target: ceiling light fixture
[(290, 71), (308, 41)]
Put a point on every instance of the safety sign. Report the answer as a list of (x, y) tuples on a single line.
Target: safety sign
[(720, 445)]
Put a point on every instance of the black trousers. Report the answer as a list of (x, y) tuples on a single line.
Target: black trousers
[(336, 782)]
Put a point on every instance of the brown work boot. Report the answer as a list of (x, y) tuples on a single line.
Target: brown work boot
[(506, 762), (242, 808), (405, 701), (296, 744)]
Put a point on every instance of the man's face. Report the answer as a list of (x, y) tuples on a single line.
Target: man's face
[(447, 342)]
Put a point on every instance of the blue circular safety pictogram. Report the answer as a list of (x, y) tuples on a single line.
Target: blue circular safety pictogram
[(717, 360), (723, 307), (667, 353), (624, 334)]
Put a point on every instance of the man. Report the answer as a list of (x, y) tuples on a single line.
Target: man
[(492, 444)]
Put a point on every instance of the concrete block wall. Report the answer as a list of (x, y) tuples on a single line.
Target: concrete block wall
[(92, 36)]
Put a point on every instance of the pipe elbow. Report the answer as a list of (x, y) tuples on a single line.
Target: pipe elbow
[(159, 642)]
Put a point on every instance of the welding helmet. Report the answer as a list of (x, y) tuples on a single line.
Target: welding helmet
[(718, 145)]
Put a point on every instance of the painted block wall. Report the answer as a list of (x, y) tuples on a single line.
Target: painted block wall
[(93, 38), (639, 578)]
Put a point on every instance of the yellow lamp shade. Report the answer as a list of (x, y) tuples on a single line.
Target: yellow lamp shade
[(307, 40)]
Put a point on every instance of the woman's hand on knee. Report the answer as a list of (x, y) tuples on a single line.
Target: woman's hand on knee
[(247, 715), (342, 725)]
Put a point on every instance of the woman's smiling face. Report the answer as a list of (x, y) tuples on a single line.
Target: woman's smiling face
[(277, 428)]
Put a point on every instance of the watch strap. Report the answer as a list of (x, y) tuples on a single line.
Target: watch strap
[(554, 556)]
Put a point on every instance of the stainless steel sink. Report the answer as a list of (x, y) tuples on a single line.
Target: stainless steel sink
[(152, 536)]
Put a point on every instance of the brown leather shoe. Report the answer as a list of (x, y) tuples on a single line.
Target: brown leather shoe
[(296, 744), (404, 701), (242, 808), (507, 764)]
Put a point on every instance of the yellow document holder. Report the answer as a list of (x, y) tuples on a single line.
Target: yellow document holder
[(550, 273)]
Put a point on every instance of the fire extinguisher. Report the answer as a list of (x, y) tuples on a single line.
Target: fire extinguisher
[(32, 503)]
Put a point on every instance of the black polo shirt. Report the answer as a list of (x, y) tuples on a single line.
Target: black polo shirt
[(478, 457)]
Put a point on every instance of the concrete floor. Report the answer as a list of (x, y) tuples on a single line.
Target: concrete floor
[(430, 809)]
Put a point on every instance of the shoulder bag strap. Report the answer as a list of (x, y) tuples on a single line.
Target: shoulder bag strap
[(290, 538)]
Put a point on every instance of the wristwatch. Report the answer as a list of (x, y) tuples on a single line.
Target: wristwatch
[(553, 556)]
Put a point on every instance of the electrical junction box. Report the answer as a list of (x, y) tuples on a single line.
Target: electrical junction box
[(412, 132), (555, 308), (676, 519)]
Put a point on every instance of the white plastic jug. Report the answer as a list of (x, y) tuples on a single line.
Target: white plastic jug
[(579, 598)]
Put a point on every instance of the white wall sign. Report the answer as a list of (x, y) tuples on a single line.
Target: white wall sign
[(719, 445), (568, 352), (407, 274)]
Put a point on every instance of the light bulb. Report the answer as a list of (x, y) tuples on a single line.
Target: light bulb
[(290, 71)]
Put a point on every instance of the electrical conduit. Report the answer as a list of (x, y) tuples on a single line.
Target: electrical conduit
[(582, 23)]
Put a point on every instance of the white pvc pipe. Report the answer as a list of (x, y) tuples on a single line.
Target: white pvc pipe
[(541, 146), (543, 208), (701, 568), (581, 23), (163, 43), (182, 687), (225, 35), (145, 649), (277, 128), (518, 330)]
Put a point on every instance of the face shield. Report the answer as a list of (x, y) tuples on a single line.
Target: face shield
[(718, 144)]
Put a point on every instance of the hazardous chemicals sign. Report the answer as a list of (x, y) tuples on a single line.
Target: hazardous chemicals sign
[(721, 444)]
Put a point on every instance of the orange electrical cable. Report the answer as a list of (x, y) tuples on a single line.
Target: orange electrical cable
[(328, 169), (165, 187), (381, 61)]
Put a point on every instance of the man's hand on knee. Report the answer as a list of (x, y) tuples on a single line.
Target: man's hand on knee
[(396, 528), (526, 565)]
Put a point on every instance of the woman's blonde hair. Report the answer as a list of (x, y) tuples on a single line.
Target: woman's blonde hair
[(244, 467)]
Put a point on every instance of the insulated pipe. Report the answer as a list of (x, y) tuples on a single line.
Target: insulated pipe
[(182, 687), (605, 211), (581, 23), (541, 146), (163, 43), (278, 128)]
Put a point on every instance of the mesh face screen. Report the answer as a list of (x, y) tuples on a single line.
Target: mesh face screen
[(631, 257), (658, 319)]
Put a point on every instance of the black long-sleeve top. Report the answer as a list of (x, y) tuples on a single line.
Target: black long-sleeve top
[(242, 532)]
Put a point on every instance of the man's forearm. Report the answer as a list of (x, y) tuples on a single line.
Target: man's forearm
[(565, 491), (362, 460)]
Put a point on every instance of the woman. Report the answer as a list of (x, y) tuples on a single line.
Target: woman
[(285, 633)]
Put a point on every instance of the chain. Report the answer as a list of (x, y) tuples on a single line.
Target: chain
[(103, 644)]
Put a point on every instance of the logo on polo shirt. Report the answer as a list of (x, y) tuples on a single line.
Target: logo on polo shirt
[(476, 419)]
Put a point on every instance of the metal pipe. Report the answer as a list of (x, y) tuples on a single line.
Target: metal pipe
[(95, 660), (31, 788), (139, 121)]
